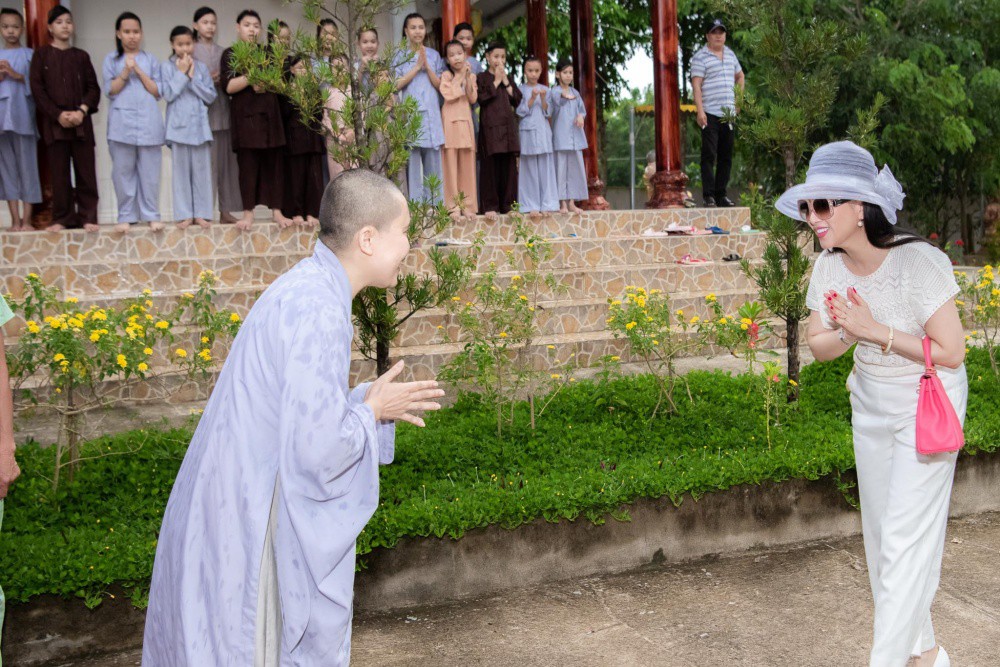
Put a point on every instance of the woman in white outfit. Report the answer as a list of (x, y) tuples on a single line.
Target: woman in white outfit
[(884, 290)]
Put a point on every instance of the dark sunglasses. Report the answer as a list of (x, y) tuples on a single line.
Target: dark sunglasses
[(823, 208)]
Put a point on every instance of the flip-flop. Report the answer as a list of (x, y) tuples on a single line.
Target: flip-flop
[(674, 228), (716, 230), (732, 257), (746, 229), (654, 232), (688, 260)]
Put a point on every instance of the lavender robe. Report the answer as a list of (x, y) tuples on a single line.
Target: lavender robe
[(281, 409)]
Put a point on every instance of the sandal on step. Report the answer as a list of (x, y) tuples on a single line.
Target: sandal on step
[(688, 260)]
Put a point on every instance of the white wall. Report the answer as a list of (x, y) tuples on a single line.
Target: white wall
[(95, 33)]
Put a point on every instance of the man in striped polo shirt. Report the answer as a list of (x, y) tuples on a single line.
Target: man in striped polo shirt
[(715, 72)]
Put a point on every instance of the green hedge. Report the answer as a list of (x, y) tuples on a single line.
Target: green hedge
[(593, 453)]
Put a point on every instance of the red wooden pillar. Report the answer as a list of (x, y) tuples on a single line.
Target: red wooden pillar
[(581, 27), (36, 13), (453, 12), (669, 180), (538, 35)]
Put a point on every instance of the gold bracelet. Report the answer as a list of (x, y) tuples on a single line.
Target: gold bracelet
[(892, 335)]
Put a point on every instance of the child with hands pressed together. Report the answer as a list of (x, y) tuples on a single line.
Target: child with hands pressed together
[(499, 143), (568, 139), (189, 91), (458, 88), (419, 78), (536, 181), (19, 183), (135, 125)]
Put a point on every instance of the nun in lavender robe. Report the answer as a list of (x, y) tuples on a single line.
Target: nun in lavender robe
[(278, 482), (536, 180), (569, 141), (18, 133), (425, 155)]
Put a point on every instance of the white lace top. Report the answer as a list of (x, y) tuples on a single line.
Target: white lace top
[(913, 281)]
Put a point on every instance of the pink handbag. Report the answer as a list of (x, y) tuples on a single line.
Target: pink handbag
[(938, 428)]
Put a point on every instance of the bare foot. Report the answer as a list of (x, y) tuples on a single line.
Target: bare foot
[(158, 226), (927, 658), (245, 222), (563, 209), (492, 215), (183, 224), (122, 227), (56, 227), (226, 218), (298, 220), (312, 221), (573, 208), (470, 216), (535, 215), (280, 218), (203, 222), (88, 227)]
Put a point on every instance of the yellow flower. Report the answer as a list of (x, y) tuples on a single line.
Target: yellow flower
[(616, 302), (555, 376), (95, 337), (205, 354), (522, 297), (439, 327), (747, 321), (551, 347), (515, 278), (149, 317), (147, 291), (75, 322), (72, 299), (656, 342), (680, 313), (162, 324), (99, 315), (744, 326), (710, 298), (148, 351), (59, 357), (121, 360), (456, 299), (149, 304), (234, 318), (723, 320), (694, 320), (503, 334), (204, 339), (143, 367), (616, 358), (188, 295), (630, 326), (33, 326), (33, 276), (181, 352), (793, 383)]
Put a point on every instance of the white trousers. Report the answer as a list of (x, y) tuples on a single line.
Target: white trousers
[(267, 634), (904, 508)]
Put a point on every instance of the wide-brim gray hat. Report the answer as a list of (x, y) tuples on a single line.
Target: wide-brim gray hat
[(844, 170)]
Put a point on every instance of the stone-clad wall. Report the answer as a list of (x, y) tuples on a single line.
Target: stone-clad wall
[(595, 255)]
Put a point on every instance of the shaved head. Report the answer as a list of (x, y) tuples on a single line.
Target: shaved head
[(355, 199)]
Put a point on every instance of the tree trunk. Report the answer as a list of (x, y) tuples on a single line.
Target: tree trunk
[(792, 338), (789, 167), (381, 354)]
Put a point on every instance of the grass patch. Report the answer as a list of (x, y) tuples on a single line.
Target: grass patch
[(593, 453)]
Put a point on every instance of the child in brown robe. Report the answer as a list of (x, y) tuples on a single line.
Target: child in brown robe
[(64, 85), (258, 134), (499, 143), (304, 151)]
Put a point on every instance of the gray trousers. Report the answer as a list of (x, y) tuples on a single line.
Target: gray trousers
[(192, 188), (135, 172), (226, 182), (19, 168), (424, 162)]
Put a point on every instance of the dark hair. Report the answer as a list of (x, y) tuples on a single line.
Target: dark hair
[(199, 14), (274, 28), (322, 24), (530, 59), (463, 26), (412, 15), (883, 234), (564, 63), (181, 30), (56, 12), (124, 16), (451, 43), (493, 46), (245, 13), (353, 200), (290, 61), (12, 12), (362, 31)]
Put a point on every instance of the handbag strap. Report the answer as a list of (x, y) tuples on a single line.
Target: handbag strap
[(929, 368)]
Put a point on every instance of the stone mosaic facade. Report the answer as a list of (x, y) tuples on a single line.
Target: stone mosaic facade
[(595, 255)]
